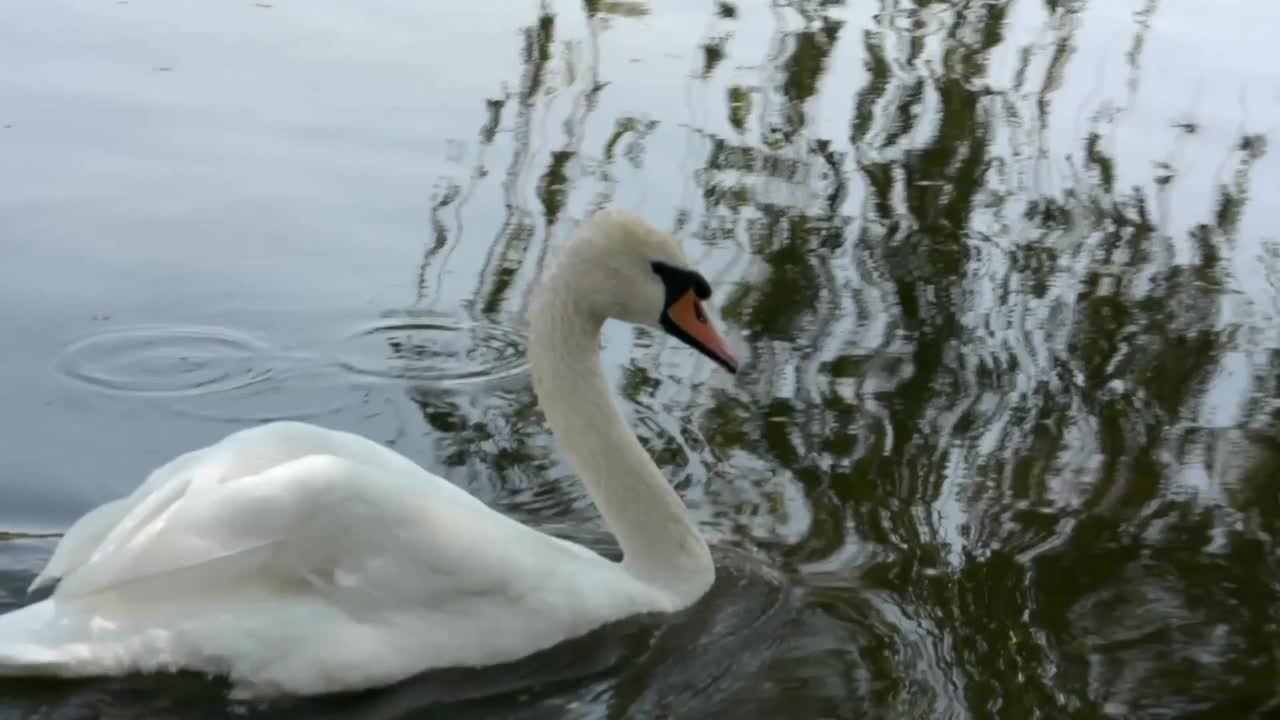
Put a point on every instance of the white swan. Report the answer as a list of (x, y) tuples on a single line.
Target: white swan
[(294, 559)]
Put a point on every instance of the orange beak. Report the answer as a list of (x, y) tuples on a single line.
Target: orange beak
[(686, 320)]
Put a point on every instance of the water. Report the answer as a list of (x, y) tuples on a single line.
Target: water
[(1003, 276)]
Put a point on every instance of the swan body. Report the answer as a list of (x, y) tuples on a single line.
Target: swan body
[(295, 559)]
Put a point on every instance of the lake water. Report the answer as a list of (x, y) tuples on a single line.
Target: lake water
[(1002, 275)]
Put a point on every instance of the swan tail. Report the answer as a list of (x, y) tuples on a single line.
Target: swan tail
[(62, 638), (41, 639)]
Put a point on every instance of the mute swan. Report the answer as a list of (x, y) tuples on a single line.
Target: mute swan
[(294, 559)]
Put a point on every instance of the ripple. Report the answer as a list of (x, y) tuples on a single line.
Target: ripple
[(295, 395), (423, 347), (166, 360)]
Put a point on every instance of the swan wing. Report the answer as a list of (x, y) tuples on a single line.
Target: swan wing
[(283, 512), (80, 540), (193, 497), (320, 525)]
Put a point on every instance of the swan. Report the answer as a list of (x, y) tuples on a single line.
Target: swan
[(292, 559)]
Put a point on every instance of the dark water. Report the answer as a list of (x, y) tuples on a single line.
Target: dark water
[(1003, 276)]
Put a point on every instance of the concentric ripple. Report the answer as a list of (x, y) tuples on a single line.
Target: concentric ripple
[(166, 360), (291, 394), (423, 347)]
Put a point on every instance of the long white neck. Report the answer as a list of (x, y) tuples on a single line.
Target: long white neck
[(660, 544)]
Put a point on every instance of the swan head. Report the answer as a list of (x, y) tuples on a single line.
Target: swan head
[(624, 268)]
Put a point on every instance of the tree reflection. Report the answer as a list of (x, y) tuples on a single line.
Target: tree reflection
[(981, 360), (498, 441)]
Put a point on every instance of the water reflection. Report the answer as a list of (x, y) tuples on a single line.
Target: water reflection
[(1006, 440), (1004, 416), (434, 349)]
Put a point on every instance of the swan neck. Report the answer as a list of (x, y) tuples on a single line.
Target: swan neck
[(660, 544)]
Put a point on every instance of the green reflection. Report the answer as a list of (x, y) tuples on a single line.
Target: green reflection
[(973, 425)]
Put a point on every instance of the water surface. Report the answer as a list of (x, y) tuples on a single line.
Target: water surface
[(1003, 277)]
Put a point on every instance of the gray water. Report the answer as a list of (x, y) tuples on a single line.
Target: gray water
[(1002, 275)]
